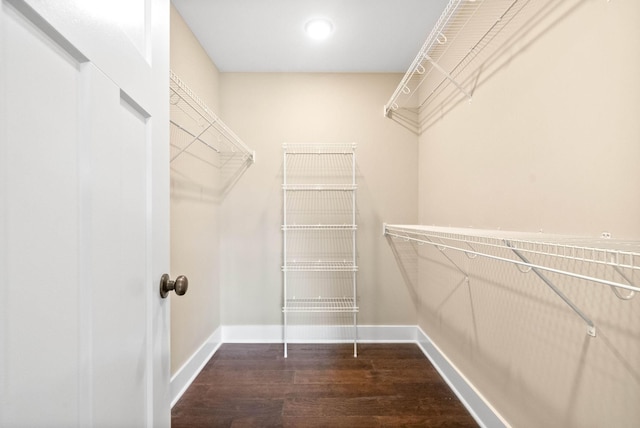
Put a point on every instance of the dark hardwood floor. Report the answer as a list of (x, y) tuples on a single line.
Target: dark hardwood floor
[(252, 385)]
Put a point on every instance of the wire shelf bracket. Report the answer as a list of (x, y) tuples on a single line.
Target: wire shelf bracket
[(591, 328), (448, 76), (203, 119), (434, 38)]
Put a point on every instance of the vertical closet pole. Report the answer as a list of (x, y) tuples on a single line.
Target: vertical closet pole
[(284, 248), (353, 234)]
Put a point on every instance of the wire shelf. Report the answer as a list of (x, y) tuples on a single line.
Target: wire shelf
[(416, 69), (197, 123), (606, 261), (320, 266), (467, 41), (321, 304), (292, 227), (320, 187), (605, 251), (320, 207), (315, 148)]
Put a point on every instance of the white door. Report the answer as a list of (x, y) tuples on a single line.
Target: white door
[(84, 209)]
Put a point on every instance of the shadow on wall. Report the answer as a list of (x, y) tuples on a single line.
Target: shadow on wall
[(385, 298), (406, 256), (518, 343), (191, 162), (202, 146), (480, 40), (187, 188)]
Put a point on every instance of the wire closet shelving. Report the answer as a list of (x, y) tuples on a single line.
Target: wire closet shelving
[(466, 42), (192, 121), (319, 233), (605, 261)]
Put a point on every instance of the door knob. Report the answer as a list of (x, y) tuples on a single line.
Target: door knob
[(180, 285)]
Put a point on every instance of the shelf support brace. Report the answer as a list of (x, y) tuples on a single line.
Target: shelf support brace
[(440, 248), (447, 75), (195, 138), (591, 328), (466, 275)]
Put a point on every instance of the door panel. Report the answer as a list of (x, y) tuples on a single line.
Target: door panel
[(40, 200), (118, 216), (83, 215)]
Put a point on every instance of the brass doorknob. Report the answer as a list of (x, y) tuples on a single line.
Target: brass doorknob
[(180, 285)]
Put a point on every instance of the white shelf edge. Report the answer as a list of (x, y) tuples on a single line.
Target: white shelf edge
[(320, 187), (343, 227)]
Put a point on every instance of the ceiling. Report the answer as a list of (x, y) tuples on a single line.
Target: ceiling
[(268, 35)]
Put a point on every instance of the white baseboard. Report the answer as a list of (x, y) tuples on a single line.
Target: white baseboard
[(252, 334), (185, 375), (318, 334), (479, 408)]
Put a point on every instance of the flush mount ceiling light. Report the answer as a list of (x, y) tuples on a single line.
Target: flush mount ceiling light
[(319, 29)]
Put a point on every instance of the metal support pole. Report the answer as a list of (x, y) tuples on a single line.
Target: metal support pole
[(355, 252), (284, 249), (447, 75), (466, 275), (591, 329), (196, 138)]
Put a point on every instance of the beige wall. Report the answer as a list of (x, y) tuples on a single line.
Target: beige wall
[(267, 110), (194, 211), (551, 141)]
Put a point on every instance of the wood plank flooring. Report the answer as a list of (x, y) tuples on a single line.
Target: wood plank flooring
[(252, 385)]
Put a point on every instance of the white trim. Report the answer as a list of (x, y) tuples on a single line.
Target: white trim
[(318, 334), (185, 375), (387, 333), (252, 334), (481, 410)]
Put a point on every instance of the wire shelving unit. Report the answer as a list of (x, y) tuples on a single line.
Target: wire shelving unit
[(319, 233), (605, 261)]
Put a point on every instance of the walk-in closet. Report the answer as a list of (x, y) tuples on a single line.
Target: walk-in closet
[(344, 213), (495, 217)]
